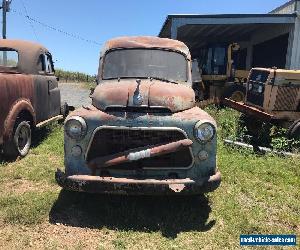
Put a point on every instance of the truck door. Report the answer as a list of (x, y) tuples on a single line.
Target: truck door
[(53, 90), (47, 94)]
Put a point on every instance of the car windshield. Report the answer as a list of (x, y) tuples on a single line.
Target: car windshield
[(155, 63), (8, 58)]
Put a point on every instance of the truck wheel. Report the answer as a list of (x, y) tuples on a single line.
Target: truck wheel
[(294, 130), (235, 92), (21, 141), (64, 110)]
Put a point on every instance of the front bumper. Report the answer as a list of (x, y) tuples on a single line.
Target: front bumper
[(126, 186)]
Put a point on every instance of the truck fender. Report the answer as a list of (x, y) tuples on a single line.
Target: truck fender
[(19, 106)]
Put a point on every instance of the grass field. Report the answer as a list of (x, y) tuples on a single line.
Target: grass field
[(258, 194)]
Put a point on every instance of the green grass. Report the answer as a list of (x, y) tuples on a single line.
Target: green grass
[(258, 194)]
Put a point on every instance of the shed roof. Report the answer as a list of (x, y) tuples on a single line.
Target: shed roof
[(197, 31), (225, 19)]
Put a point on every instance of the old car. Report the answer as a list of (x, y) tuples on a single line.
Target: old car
[(142, 134), (29, 94)]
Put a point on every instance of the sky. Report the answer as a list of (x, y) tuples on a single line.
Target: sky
[(100, 20)]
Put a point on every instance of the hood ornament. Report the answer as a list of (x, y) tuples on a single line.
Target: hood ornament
[(137, 97)]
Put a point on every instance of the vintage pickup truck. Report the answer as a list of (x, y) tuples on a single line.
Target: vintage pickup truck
[(142, 134), (29, 94)]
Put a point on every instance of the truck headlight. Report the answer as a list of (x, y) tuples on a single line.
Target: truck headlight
[(76, 127), (205, 131)]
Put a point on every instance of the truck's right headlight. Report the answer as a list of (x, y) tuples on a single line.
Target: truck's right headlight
[(205, 131), (76, 127)]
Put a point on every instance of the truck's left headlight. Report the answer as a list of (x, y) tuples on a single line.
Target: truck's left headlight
[(76, 127), (204, 131)]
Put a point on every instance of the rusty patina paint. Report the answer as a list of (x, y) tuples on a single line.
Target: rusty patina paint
[(154, 94), (142, 133), (128, 186), (26, 88), (29, 53), (146, 42), (16, 94)]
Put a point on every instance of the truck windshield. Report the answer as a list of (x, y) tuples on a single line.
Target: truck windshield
[(8, 58), (213, 61), (167, 65)]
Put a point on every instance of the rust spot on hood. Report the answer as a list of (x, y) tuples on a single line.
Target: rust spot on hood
[(153, 93), (194, 113)]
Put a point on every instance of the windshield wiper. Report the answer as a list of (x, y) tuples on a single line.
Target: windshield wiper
[(162, 79), (142, 77)]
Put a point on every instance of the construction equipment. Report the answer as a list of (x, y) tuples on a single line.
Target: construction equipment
[(220, 77), (273, 96)]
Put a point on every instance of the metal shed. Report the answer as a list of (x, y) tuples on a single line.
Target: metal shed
[(268, 40)]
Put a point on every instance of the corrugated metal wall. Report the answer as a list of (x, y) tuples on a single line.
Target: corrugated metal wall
[(287, 8)]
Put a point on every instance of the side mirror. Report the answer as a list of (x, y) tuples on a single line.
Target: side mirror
[(57, 78)]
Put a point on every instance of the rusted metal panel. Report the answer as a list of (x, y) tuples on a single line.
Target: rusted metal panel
[(146, 42), (249, 110), (142, 128), (29, 54), (129, 186), (26, 88), (194, 113), (16, 94), (152, 93)]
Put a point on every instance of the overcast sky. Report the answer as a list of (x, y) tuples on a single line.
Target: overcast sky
[(99, 20)]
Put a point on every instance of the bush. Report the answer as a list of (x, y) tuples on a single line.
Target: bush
[(74, 76)]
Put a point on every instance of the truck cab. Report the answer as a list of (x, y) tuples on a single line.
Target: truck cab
[(142, 133), (29, 94)]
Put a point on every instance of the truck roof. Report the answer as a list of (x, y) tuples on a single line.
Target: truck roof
[(286, 74), (29, 53), (146, 42)]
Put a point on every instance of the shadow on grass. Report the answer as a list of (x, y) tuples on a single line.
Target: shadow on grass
[(169, 215), (38, 136)]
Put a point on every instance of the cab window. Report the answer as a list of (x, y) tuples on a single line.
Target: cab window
[(9, 58), (49, 64), (46, 63)]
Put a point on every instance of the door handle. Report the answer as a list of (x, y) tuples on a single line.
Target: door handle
[(49, 86)]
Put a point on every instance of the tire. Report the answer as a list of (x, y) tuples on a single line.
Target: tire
[(20, 143), (235, 92), (64, 110), (294, 130)]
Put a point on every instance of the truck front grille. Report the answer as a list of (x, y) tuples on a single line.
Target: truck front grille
[(286, 99), (108, 141)]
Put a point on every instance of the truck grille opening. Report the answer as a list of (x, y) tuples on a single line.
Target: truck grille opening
[(108, 141), (286, 99)]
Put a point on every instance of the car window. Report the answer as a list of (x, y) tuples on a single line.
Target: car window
[(9, 58), (41, 63), (49, 64)]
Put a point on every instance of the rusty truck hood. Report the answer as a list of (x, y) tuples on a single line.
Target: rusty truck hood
[(143, 93)]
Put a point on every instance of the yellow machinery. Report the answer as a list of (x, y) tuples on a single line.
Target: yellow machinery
[(273, 96), (220, 78)]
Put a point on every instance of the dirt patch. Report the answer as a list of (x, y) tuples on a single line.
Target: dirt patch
[(50, 236), (74, 94), (21, 186)]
